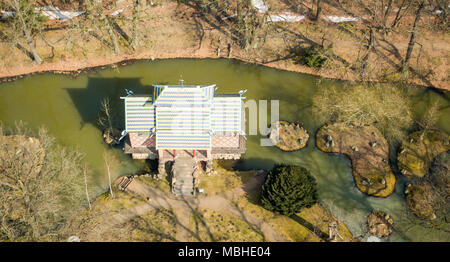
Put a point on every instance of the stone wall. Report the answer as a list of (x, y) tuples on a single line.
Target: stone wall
[(226, 156), (144, 156)]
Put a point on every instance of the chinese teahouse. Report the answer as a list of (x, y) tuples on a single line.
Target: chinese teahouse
[(182, 125)]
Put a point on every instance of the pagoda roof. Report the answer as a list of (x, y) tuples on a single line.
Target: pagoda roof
[(183, 116)]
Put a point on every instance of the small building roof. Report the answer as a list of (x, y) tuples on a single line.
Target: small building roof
[(175, 118), (182, 139), (183, 117), (183, 96), (226, 114), (139, 113)]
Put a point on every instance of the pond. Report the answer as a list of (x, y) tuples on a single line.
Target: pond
[(69, 108)]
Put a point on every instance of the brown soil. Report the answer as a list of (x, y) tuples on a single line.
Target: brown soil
[(368, 151), (171, 32)]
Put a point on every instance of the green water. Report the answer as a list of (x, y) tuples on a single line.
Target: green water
[(69, 107)]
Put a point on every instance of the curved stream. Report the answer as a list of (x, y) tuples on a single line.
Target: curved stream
[(69, 108)]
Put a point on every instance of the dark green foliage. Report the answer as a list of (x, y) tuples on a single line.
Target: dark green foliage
[(288, 189), (316, 56)]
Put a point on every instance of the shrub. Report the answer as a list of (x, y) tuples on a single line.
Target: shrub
[(288, 189), (315, 56), (384, 106)]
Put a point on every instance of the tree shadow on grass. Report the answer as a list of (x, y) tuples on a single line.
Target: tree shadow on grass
[(253, 197), (4, 37), (314, 229)]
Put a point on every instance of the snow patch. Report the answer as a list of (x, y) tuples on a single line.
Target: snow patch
[(286, 17), (7, 14), (341, 19), (54, 13), (260, 6), (117, 12), (49, 11)]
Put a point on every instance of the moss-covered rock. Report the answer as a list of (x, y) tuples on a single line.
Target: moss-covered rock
[(427, 197), (420, 198), (380, 224), (419, 149), (288, 136), (368, 151)]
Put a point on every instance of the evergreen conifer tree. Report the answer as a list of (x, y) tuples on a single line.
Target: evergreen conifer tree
[(288, 189)]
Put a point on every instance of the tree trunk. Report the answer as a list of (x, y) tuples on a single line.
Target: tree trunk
[(318, 9), (112, 36), (86, 187), (386, 13), (368, 50), (136, 14), (109, 174), (107, 22), (412, 40), (399, 15), (27, 32), (36, 57)]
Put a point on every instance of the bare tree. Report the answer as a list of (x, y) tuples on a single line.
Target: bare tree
[(402, 9), (101, 25), (108, 170), (369, 49), (318, 9), (412, 40), (107, 121), (85, 170), (41, 186), (386, 12), (26, 22), (250, 25), (136, 13)]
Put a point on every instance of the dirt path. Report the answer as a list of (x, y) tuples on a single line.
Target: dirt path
[(183, 206)]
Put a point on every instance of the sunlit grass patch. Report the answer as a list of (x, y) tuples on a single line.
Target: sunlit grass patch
[(154, 226), (222, 180), (209, 225)]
